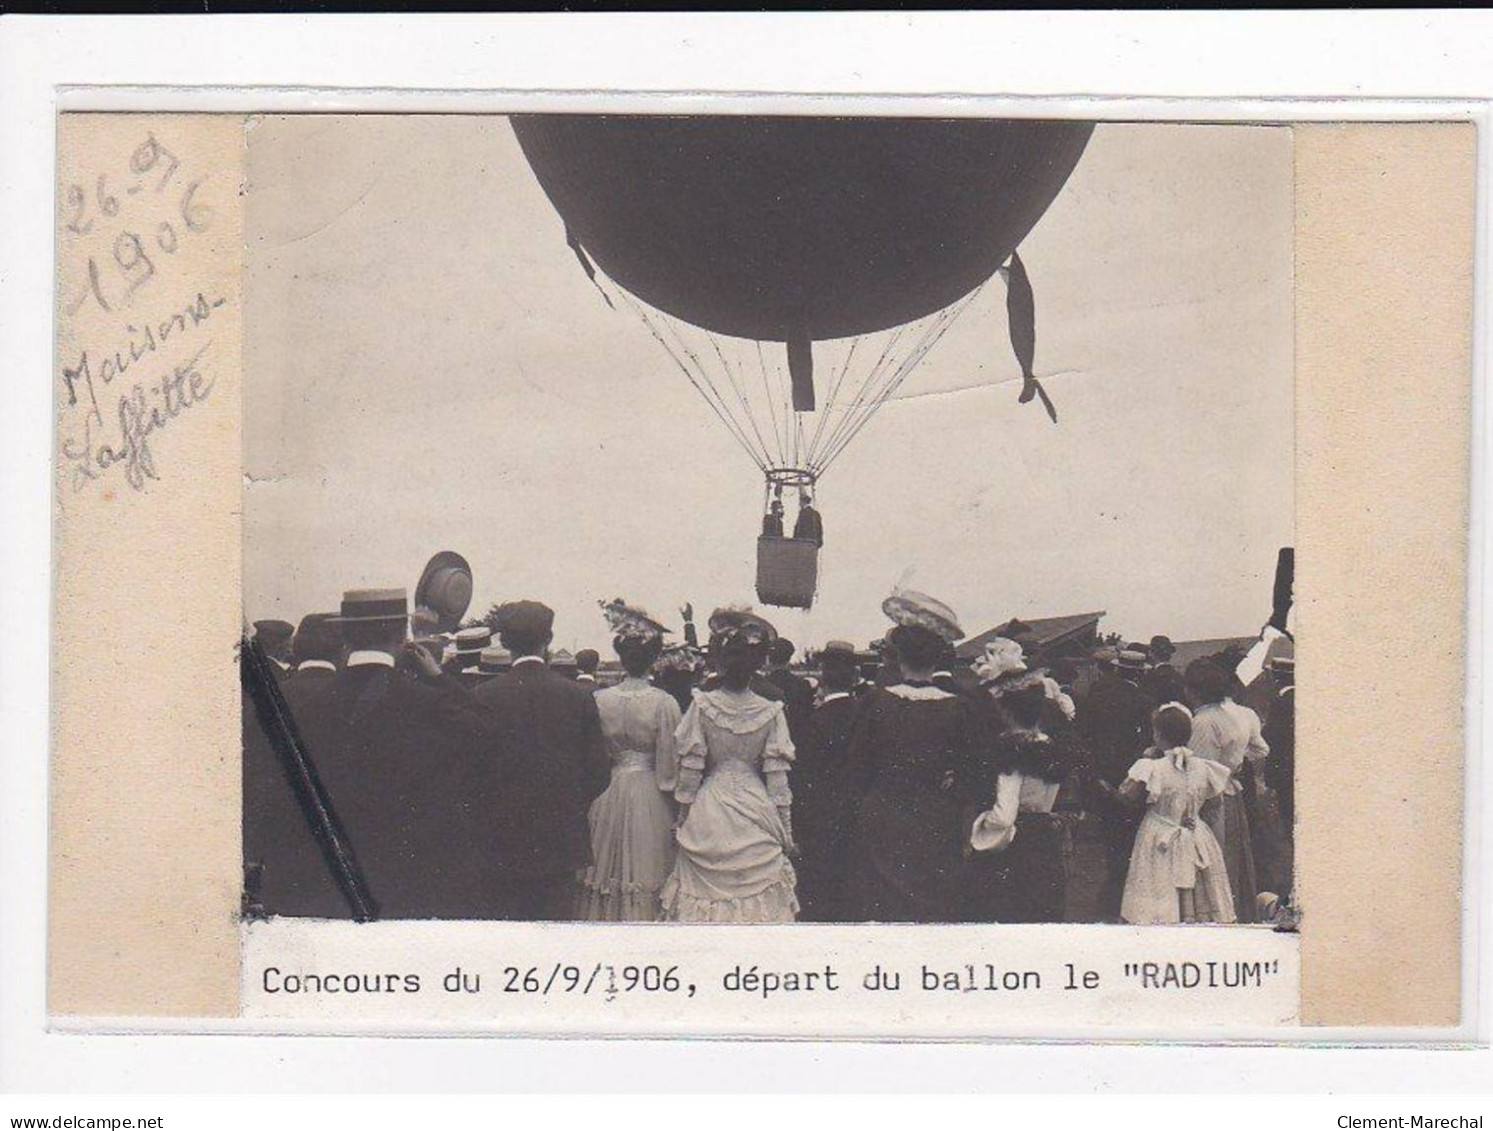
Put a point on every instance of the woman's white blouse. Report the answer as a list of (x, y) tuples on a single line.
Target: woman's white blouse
[(1015, 793)]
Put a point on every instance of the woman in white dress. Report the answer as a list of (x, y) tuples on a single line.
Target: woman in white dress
[(632, 822), (1229, 734), (1177, 872), (735, 831)]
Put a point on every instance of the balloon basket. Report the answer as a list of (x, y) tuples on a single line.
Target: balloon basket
[(787, 571)]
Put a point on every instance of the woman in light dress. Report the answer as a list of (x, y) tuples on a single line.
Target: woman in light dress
[(632, 822), (735, 831), (1177, 872), (1229, 734)]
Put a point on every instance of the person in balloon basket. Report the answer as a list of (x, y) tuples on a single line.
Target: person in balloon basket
[(822, 800), (772, 520), (547, 765), (808, 525), (735, 833), (399, 747), (915, 762), (632, 823)]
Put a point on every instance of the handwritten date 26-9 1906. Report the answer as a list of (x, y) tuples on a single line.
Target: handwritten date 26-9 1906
[(145, 409), (133, 339), (125, 237)]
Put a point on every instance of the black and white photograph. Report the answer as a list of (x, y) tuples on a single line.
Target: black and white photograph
[(744, 553), (751, 519)]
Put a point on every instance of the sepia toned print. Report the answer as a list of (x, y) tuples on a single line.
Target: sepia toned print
[(581, 472), (971, 440)]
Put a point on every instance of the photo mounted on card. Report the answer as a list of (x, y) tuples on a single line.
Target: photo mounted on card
[(611, 570)]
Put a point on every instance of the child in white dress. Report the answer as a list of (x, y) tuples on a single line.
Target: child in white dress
[(1177, 872)]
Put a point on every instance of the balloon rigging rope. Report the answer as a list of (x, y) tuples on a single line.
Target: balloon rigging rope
[(722, 407), (932, 334), (760, 454), (738, 385), (859, 397), (930, 338), (710, 398), (829, 440), (932, 331), (834, 394), (792, 425), (849, 412), (771, 399)]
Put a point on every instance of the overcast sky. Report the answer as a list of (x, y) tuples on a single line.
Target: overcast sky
[(427, 368)]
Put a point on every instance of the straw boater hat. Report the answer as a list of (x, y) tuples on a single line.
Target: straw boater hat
[(494, 660), (739, 624), (373, 606), (1133, 658), (445, 588), (911, 609), (630, 622), (470, 642)]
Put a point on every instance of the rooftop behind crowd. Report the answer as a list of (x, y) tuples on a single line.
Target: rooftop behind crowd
[(476, 773)]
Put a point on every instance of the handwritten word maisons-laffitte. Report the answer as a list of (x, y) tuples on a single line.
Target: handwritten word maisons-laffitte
[(136, 325), (97, 444)]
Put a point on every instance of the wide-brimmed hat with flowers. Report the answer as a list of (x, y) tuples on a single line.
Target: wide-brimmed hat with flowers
[(679, 658), (1002, 657), (630, 622), (918, 610), (738, 624)]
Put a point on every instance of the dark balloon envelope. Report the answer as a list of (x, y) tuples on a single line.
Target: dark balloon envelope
[(796, 230), (799, 229)]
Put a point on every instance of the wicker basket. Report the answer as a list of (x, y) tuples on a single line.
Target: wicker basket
[(787, 571)]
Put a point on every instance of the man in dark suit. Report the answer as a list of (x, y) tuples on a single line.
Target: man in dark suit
[(274, 639), (316, 649), (550, 764), (397, 747), (822, 805), (808, 525), (587, 660), (1115, 726), (798, 693), (944, 678), (284, 871)]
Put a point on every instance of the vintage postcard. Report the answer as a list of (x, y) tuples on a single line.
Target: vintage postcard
[(826, 574)]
